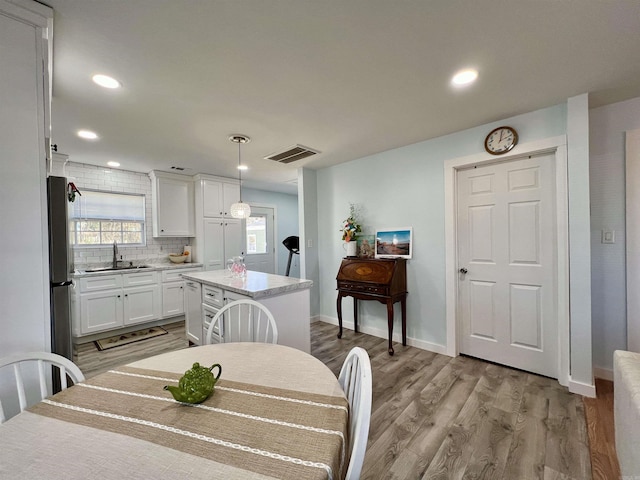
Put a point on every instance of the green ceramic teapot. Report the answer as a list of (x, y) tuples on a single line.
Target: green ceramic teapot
[(196, 385)]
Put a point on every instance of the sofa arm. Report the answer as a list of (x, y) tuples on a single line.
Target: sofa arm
[(626, 410)]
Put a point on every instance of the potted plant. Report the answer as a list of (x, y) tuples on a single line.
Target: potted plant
[(350, 231)]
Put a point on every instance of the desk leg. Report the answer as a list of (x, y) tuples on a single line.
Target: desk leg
[(339, 307), (355, 314), (390, 321), (403, 304)]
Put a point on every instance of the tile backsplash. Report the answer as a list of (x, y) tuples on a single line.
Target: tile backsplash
[(115, 180)]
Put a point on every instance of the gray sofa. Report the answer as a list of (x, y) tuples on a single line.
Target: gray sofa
[(626, 377)]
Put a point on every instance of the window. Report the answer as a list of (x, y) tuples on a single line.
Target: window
[(97, 219), (256, 234)]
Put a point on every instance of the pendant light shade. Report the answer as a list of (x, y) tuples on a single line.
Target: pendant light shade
[(240, 209)]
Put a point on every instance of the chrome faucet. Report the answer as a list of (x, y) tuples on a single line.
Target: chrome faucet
[(115, 255)]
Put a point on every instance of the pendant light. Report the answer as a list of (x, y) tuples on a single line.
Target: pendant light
[(240, 209)]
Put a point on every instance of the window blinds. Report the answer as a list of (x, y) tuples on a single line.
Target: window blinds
[(107, 206)]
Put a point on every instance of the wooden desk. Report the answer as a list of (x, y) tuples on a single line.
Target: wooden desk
[(381, 279), (276, 412)]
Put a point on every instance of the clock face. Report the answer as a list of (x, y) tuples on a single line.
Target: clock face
[(501, 140)]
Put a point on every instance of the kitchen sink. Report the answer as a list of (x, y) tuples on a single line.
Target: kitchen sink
[(109, 269)]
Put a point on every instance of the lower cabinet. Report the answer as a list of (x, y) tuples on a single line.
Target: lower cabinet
[(120, 307), (114, 301), (173, 292), (193, 311)]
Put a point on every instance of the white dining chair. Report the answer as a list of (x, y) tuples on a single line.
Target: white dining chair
[(355, 379), (41, 360), (243, 321)]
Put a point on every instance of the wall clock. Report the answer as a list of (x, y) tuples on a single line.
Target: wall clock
[(500, 140)]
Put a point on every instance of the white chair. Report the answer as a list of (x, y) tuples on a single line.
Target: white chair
[(355, 379), (243, 321), (40, 359)]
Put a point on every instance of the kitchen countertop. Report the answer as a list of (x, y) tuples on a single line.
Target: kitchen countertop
[(254, 285), (149, 267)]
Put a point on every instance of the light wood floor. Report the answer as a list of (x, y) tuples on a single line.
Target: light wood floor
[(436, 417)]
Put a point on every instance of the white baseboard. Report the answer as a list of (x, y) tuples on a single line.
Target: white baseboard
[(382, 333), (604, 373), (581, 388)]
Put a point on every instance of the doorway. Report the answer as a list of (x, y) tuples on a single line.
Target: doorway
[(260, 240), (506, 234), (556, 147)]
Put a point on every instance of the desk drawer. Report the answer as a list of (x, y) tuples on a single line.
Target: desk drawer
[(364, 288)]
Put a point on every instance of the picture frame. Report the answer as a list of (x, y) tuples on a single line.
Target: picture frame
[(366, 246), (394, 242)]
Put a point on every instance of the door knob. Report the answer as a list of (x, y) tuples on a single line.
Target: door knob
[(463, 270)]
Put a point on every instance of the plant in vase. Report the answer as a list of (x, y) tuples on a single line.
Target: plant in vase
[(350, 230)]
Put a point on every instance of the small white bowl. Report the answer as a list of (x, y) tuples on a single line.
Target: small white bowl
[(177, 257)]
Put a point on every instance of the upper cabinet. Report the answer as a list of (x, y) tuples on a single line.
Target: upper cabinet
[(216, 196), (172, 205)]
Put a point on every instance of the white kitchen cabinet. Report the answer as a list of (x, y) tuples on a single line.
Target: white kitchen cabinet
[(173, 293), (141, 304), (217, 197), (230, 195), (172, 299), (218, 235), (193, 311), (172, 205), (101, 311), (221, 239), (109, 302)]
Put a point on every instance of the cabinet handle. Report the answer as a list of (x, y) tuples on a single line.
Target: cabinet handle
[(180, 288), (208, 316), (118, 296), (162, 230), (126, 294)]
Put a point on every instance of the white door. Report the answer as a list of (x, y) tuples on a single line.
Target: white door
[(260, 240), (506, 237)]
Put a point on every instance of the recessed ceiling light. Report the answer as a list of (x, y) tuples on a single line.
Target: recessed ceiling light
[(464, 77), (113, 164), (106, 81), (88, 134), (243, 167)]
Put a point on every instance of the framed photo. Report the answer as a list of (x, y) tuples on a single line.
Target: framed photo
[(394, 243), (366, 246)]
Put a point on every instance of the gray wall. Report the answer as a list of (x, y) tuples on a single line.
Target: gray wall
[(405, 187), (608, 271), (286, 206)]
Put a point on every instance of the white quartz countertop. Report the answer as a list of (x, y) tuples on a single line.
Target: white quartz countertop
[(254, 285), (148, 267)]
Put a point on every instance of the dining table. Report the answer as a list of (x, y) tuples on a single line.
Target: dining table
[(275, 412)]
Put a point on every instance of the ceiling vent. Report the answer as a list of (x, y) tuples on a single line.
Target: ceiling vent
[(291, 154)]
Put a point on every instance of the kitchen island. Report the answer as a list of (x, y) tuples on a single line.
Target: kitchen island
[(288, 299)]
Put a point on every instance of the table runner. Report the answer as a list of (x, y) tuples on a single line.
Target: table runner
[(276, 432)]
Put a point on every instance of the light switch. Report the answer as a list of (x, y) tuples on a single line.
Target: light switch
[(608, 236), (309, 243)]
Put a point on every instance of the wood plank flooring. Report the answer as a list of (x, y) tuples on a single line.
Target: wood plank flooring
[(436, 417), (600, 425)]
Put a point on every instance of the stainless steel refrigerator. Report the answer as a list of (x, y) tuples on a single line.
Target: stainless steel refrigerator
[(60, 265)]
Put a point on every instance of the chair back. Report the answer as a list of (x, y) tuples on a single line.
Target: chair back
[(243, 321), (355, 379), (40, 360)]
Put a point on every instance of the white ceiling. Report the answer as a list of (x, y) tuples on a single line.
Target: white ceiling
[(347, 77)]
